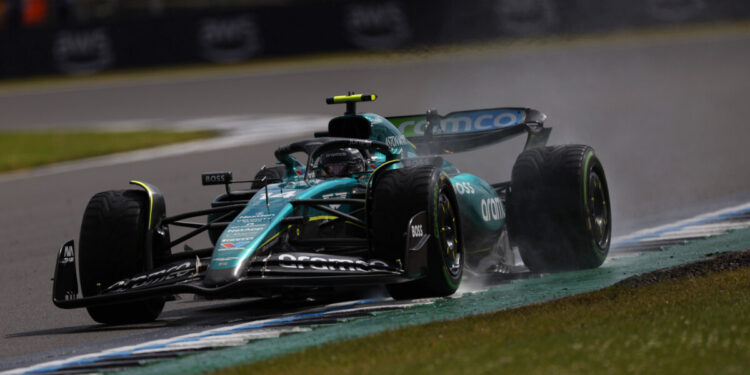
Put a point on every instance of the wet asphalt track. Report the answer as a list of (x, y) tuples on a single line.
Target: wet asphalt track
[(666, 115)]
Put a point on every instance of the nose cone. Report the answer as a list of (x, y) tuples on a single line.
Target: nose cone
[(218, 277)]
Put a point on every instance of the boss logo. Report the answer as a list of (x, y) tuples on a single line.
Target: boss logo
[(464, 188), (217, 178), (416, 231)]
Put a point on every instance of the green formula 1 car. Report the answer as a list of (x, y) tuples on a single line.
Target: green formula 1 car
[(368, 202)]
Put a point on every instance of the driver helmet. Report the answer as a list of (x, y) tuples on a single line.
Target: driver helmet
[(341, 162)]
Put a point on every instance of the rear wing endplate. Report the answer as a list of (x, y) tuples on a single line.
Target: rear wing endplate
[(466, 130)]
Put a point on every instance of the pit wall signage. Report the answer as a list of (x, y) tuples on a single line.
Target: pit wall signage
[(225, 34)]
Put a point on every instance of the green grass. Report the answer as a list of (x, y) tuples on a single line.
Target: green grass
[(686, 326), (23, 150)]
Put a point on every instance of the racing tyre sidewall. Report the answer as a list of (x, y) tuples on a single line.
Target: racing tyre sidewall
[(400, 194), (559, 208), (446, 256), (112, 248)]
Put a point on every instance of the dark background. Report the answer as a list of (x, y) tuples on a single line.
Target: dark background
[(665, 109), (45, 37)]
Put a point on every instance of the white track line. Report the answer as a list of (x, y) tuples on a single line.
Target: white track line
[(236, 131), (703, 220), (230, 335)]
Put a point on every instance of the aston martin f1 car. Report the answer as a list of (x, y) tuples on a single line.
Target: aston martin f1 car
[(370, 201)]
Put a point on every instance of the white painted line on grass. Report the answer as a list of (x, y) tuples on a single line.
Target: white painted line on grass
[(237, 131)]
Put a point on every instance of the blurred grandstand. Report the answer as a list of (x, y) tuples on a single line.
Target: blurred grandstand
[(87, 36)]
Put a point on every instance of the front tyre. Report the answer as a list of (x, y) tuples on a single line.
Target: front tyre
[(112, 248), (400, 194), (559, 208)]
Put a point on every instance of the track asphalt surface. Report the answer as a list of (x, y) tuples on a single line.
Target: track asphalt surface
[(666, 114)]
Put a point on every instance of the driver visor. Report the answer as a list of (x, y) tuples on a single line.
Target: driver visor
[(335, 169)]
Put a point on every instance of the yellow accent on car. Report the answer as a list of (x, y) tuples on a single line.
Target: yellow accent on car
[(351, 98), (323, 217), (150, 200), (271, 239)]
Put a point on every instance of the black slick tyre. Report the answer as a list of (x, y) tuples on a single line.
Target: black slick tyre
[(111, 248), (397, 196), (559, 208)]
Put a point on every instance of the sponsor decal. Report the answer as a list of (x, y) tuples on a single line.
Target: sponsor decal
[(251, 231), (491, 209), (396, 141), (171, 273), (416, 231), (339, 195), (83, 51), (218, 178), (464, 188), (234, 245), (675, 10), (377, 25), (283, 194), (258, 218), (463, 122), (68, 255), (229, 39), (525, 17), (325, 263)]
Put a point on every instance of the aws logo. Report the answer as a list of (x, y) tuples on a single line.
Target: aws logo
[(377, 25), (229, 39), (83, 51)]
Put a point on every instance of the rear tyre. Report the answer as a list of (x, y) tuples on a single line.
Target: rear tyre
[(400, 194), (559, 211), (112, 248)]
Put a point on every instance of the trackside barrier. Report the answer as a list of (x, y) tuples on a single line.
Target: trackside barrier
[(314, 26)]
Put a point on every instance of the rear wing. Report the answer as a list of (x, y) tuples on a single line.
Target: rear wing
[(466, 130)]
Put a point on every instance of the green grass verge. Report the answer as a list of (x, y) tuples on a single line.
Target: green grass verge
[(22, 150), (685, 326)]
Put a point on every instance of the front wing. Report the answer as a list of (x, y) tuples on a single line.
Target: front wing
[(263, 274)]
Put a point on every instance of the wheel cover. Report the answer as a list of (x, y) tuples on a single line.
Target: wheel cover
[(598, 219), (448, 236)]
